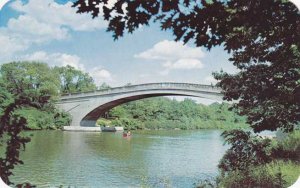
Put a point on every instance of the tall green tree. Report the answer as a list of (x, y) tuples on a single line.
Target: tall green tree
[(33, 77), (262, 36), (27, 90), (74, 80)]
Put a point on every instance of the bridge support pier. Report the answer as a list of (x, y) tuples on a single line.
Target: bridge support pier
[(79, 128), (88, 123)]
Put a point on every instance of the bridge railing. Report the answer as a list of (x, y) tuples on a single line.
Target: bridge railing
[(164, 85)]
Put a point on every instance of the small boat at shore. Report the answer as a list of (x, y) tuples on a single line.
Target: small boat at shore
[(111, 129)]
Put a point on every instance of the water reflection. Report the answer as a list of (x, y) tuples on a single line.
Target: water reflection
[(149, 158)]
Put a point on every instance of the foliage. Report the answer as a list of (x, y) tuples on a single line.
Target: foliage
[(103, 122), (44, 118), (164, 113), (255, 162), (275, 174), (40, 83), (289, 170), (128, 124), (73, 80), (258, 177), (36, 119), (61, 119), (33, 78), (245, 151), (267, 86), (11, 127), (288, 148)]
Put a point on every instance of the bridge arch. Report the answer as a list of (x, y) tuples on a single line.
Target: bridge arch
[(87, 107)]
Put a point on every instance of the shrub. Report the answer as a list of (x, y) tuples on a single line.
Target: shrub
[(253, 162), (275, 174), (245, 151), (62, 119), (253, 177), (103, 122), (288, 148), (128, 124), (36, 119)]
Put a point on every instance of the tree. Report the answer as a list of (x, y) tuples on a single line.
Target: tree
[(41, 83), (26, 93), (262, 36), (24, 77), (74, 80)]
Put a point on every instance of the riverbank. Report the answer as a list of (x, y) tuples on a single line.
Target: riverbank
[(259, 162), (165, 113), (192, 124)]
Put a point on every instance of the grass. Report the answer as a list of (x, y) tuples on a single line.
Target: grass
[(275, 174), (290, 170)]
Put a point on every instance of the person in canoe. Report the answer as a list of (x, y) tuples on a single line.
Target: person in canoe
[(126, 134)]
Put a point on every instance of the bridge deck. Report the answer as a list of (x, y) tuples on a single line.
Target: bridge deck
[(148, 86)]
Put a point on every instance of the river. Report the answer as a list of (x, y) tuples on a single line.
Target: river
[(147, 159)]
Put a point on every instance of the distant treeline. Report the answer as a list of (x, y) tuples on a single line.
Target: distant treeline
[(165, 113)]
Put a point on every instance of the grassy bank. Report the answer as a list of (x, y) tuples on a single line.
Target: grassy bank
[(259, 162), (277, 173)]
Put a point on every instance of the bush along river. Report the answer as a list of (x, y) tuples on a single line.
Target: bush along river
[(147, 159)]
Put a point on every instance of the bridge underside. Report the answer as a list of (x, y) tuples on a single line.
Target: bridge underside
[(91, 118)]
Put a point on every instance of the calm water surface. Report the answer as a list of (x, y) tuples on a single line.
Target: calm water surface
[(147, 159)]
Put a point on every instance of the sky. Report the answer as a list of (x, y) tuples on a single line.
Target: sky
[(50, 31)]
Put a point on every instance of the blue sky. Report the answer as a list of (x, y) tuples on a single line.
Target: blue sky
[(50, 31)]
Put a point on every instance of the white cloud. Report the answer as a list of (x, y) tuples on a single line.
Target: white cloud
[(170, 50), (28, 28), (56, 59), (184, 64), (42, 21), (99, 74), (174, 55), (52, 13), (9, 45)]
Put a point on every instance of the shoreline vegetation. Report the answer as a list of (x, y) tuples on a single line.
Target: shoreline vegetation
[(253, 161), (161, 113)]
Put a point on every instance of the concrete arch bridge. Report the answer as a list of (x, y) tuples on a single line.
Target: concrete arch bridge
[(87, 107)]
